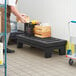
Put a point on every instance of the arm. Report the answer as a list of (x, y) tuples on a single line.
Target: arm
[(17, 14)]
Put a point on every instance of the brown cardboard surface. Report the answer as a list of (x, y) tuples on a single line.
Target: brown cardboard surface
[(0, 21), (42, 31)]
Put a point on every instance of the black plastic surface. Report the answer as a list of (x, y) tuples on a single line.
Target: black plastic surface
[(46, 42), (14, 34)]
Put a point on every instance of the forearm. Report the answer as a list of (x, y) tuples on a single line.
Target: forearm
[(17, 14), (15, 11)]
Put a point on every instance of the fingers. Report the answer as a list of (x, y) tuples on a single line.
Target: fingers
[(23, 20)]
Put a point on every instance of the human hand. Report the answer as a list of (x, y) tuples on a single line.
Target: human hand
[(27, 18), (22, 19)]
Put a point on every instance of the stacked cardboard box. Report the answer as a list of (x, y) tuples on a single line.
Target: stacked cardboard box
[(42, 31)]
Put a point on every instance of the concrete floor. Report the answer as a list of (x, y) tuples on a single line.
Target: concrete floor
[(31, 62)]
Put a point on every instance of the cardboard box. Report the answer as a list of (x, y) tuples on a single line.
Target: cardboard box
[(1, 20), (42, 31), (42, 36)]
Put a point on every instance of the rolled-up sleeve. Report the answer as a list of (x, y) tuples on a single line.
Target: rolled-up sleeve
[(11, 2)]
